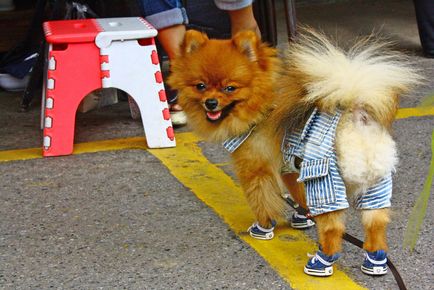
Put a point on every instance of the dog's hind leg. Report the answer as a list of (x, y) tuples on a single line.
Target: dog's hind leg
[(296, 189), (375, 222), (331, 228)]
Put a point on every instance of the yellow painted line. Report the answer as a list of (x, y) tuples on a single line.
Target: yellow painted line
[(414, 112), (286, 253), (20, 154), (79, 148)]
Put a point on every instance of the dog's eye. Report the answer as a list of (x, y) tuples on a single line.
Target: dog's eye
[(201, 87), (229, 89)]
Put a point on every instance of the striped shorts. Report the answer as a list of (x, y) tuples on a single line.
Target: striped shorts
[(319, 171)]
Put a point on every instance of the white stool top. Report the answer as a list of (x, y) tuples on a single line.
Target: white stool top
[(126, 28)]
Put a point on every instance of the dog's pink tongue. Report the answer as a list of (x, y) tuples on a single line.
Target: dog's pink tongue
[(214, 115)]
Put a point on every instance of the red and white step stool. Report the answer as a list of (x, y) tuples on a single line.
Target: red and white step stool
[(88, 54)]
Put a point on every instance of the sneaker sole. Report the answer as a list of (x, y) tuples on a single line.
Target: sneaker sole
[(377, 271), (302, 226), (268, 236), (319, 273)]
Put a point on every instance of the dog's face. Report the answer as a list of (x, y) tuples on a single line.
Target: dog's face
[(224, 85)]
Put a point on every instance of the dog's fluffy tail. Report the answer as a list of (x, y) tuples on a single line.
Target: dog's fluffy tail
[(368, 76)]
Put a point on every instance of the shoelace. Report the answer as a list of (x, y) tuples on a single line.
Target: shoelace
[(375, 262), (355, 241), (317, 257), (256, 225)]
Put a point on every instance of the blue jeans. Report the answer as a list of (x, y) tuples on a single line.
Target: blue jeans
[(163, 13), (425, 23)]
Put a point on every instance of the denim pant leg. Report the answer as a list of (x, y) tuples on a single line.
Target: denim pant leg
[(205, 16), (232, 4), (163, 13), (425, 23)]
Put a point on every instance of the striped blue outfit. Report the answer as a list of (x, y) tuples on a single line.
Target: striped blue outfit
[(325, 188)]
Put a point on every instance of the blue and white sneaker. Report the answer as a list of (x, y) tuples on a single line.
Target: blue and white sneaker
[(258, 232), (320, 264), (298, 221), (375, 263)]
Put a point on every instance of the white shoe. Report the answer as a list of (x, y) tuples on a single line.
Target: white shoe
[(179, 118), (13, 84), (177, 115)]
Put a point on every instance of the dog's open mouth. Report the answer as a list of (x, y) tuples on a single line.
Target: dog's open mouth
[(214, 116)]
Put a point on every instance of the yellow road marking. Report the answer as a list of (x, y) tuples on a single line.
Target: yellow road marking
[(414, 112), (79, 148), (286, 253), (20, 154)]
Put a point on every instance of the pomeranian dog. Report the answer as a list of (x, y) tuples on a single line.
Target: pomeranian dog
[(321, 112)]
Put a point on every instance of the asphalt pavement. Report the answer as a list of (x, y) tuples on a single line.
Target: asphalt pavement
[(132, 218)]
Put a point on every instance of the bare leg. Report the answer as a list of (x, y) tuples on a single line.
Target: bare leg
[(243, 19), (171, 39)]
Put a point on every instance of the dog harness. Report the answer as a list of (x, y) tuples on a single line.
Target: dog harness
[(319, 171)]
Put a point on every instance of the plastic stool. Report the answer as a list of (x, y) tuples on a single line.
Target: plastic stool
[(88, 54)]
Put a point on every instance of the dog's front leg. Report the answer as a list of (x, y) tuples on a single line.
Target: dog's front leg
[(259, 179)]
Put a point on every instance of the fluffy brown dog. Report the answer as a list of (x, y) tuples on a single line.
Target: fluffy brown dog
[(236, 88)]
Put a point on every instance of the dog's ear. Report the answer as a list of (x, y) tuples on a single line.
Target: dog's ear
[(192, 41), (247, 43)]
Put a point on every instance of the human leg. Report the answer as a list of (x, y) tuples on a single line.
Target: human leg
[(169, 18), (171, 39), (241, 15), (425, 22)]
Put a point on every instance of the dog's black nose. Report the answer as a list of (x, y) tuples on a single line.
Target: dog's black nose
[(211, 104)]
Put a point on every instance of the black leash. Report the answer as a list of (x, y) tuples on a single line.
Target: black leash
[(355, 241)]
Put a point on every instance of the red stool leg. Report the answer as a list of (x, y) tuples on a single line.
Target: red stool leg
[(74, 72)]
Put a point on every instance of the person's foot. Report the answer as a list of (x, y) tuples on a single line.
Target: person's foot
[(177, 115), (375, 263), (12, 84)]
